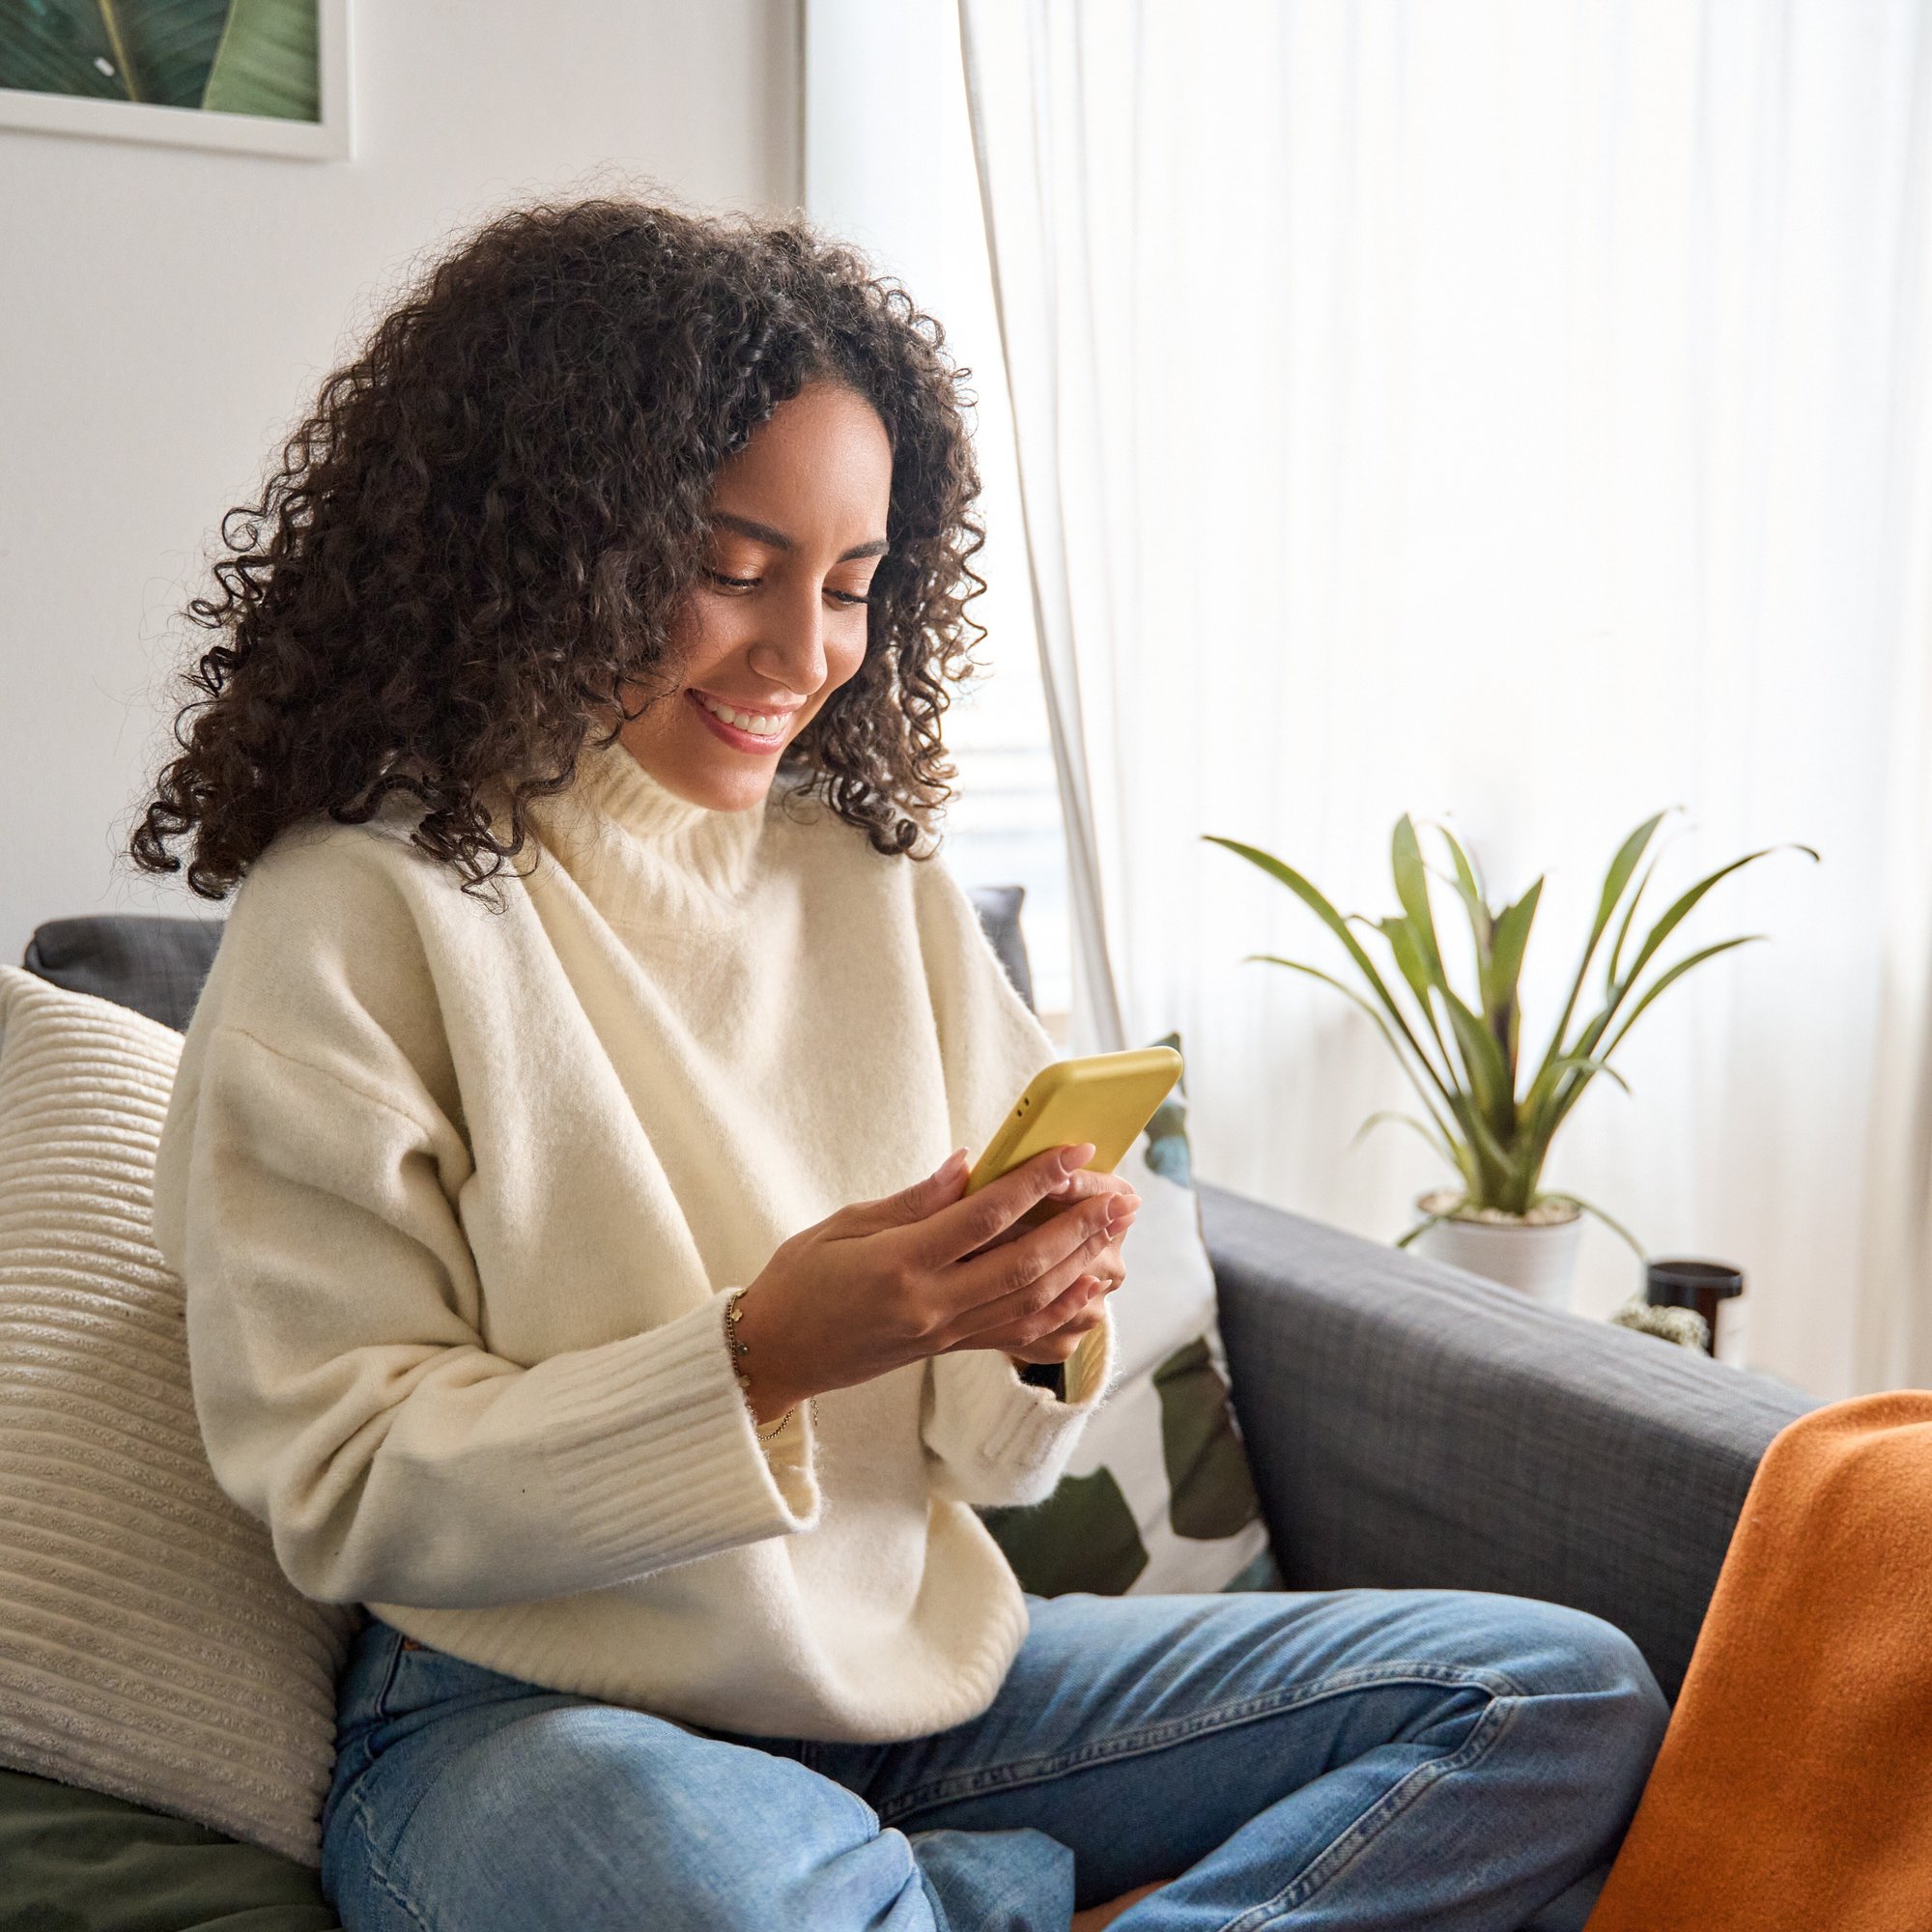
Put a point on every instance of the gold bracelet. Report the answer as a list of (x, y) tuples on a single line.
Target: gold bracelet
[(739, 1350)]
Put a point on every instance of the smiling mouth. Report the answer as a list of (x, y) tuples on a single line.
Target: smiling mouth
[(747, 731)]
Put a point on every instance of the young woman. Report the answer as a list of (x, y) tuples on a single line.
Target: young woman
[(575, 1277)]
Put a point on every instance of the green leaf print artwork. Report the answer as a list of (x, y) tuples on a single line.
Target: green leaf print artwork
[(222, 56)]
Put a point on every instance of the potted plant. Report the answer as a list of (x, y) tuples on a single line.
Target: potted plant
[(1491, 1114)]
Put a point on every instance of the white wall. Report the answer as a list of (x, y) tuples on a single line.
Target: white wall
[(166, 314)]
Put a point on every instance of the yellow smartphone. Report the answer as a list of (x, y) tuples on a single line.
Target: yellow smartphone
[(1103, 1097)]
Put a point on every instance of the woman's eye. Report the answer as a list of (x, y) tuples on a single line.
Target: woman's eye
[(751, 583)]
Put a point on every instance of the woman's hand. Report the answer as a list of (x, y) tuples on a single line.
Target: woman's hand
[(931, 1269), (1106, 1274)]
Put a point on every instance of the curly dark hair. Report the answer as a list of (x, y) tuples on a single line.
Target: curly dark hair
[(493, 516)]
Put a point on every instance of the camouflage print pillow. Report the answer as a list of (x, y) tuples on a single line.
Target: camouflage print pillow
[(1158, 1496)]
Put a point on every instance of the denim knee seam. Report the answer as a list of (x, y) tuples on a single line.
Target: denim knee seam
[(378, 1856), (378, 1869), (1329, 1863), (1220, 1717)]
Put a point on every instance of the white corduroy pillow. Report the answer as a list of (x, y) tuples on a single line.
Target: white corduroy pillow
[(151, 1646)]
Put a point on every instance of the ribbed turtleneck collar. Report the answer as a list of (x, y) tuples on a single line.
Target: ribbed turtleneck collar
[(638, 801), (635, 843)]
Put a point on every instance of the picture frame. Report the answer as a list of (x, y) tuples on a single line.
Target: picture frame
[(243, 50)]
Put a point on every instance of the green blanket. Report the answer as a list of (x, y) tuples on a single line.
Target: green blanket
[(75, 1860)]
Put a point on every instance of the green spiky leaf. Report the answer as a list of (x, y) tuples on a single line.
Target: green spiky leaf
[(1496, 1137)]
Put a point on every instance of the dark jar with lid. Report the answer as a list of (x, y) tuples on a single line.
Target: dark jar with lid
[(1692, 1284)]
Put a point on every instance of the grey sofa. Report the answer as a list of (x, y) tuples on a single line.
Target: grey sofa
[(1407, 1425)]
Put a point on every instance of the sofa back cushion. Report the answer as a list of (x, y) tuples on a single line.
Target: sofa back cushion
[(150, 961), (155, 962)]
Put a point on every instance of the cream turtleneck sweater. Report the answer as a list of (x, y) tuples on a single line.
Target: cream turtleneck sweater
[(456, 1196)]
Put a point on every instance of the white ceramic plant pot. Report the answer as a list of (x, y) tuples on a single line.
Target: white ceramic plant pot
[(1536, 1258)]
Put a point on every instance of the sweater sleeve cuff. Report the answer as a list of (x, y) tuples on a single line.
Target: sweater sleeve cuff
[(1013, 1431), (655, 1454), (793, 1451)]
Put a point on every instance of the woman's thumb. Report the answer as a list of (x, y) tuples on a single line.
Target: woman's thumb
[(940, 1181), (917, 1202)]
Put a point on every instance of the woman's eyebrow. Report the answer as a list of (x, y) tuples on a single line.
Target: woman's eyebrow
[(764, 533)]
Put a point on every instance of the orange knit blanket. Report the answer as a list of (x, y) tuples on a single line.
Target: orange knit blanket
[(1794, 1789)]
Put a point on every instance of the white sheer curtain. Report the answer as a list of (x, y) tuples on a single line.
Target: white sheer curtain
[(889, 167), (1517, 414)]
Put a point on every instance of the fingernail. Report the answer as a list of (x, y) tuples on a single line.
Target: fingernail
[(1076, 1158), (951, 1165)]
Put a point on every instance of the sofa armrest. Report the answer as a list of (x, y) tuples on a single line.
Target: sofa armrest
[(1413, 1425)]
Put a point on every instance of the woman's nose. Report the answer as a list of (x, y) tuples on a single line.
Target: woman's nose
[(795, 640)]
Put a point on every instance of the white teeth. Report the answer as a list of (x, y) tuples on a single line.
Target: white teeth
[(760, 724)]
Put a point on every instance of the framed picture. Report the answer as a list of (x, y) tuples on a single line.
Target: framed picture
[(262, 76)]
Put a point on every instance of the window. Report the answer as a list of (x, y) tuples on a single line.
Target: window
[(889, 167)]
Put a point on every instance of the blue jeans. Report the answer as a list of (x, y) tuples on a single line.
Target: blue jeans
[(1352, 1758)]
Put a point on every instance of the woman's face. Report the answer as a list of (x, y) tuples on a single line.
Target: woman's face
[(778, 623)]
